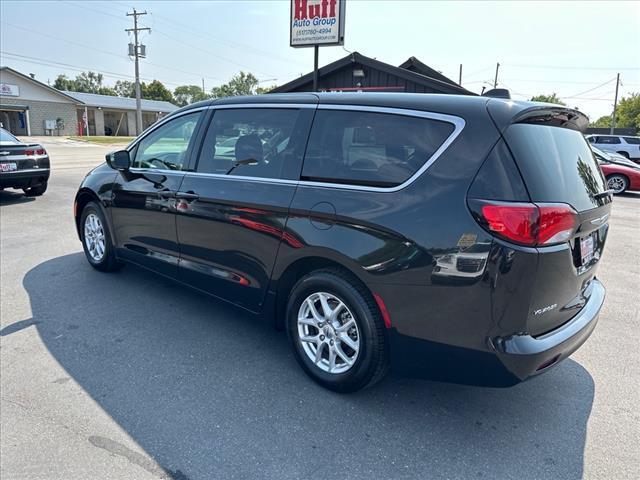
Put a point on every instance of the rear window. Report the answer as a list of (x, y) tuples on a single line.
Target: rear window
[(557, 165), (374, 149), (632, 140), (6, 137)]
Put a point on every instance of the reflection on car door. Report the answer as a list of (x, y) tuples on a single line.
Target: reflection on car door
[(230, 234), (143, 206)]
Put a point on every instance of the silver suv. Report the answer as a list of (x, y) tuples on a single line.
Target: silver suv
[(624, 145)]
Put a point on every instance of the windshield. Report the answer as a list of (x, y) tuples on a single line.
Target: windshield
[(600, 153), (6, 137)]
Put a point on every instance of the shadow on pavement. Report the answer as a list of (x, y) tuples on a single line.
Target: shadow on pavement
[(14, 196), (210, 392)]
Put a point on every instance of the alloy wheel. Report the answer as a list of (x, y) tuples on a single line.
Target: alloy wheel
[(94, 238), (616, 183), (328, 332)]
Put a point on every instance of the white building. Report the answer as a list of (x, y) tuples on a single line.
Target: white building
[(30, 107)]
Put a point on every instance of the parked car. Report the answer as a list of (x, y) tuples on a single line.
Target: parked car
[(335, 237), (23, 165), (627, 146), (621, 174)]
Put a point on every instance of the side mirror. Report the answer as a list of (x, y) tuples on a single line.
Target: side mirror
[(119, 160)]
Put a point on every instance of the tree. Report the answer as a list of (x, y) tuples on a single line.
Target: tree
[(85, 82), (155, 91), (241, 84), (63, 83), (125, 88), (186, 94), (628, 112), (88, 82), (553, 98), (262, 90)]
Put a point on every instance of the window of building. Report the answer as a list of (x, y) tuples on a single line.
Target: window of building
[(253, 142), (374, 149)]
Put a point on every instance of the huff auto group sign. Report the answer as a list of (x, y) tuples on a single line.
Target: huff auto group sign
[(317, 22)]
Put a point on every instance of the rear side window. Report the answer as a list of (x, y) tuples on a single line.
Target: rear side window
[(557, 165), (632, 140), (253, 142), (374, 149)]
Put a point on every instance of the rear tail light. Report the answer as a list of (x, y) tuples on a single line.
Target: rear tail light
[(527, 224), (30, 152)]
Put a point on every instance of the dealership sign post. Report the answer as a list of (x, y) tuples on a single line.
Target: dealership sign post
[(314, 23)]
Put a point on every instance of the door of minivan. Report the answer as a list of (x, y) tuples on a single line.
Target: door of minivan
[(143, 204), (231, 226)]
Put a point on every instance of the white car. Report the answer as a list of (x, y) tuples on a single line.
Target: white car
[(626, 146)]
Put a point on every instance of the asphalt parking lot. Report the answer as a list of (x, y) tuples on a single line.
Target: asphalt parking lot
[(128, 375)]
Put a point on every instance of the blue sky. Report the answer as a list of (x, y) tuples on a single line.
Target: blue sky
[(572, 48)]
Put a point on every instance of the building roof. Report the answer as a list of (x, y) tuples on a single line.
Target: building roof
[(38, 83), (121, 103), (414, 65), (412, 70)]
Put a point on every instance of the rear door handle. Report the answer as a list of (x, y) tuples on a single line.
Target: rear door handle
[(187, 195)]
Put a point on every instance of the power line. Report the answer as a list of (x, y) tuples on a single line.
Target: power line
[(113, 54), (49, 63), (591, 89), (562, 67)]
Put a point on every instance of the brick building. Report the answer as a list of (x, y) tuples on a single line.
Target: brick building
[(26, 104), (30, 107)]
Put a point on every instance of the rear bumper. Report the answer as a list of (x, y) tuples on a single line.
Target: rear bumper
[(525, 356), (24, 178), (506, 361)]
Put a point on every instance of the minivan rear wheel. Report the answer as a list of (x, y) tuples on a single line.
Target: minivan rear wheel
[(336, 331), (617, 183)]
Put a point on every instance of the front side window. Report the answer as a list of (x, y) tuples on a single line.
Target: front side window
[(166, 147), (609, 140), (373, 149), (252, 142)]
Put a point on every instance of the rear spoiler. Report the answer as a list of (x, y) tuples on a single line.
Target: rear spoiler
[(505, 113), (555, 117)]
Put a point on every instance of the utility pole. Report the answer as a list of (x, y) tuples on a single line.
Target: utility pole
[(316, 50), (495, 81), (137, 54), (615, 106), (203, 92), (460, 76)]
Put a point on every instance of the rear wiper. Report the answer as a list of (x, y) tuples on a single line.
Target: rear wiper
[(606, 193)]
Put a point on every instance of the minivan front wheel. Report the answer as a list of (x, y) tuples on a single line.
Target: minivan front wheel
[(617, 183), (96, 240), (336, 331)]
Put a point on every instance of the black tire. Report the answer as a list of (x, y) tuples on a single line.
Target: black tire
[(372, 361), (624, 154), (618, 183), (35, 191), (108, 262)]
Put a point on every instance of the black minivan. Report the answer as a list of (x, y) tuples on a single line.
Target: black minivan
[(451, 237)]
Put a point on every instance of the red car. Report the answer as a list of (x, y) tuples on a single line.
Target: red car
[(620, 176)]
